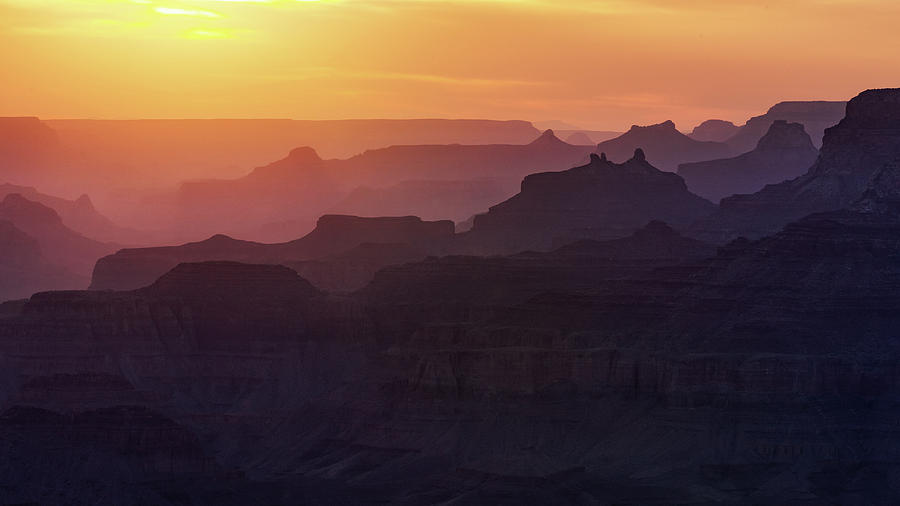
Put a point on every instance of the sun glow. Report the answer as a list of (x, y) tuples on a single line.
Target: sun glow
[(603, 64), (185, 12)]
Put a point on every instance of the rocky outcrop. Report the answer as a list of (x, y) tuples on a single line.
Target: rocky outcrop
[(815, 116), (864, 141), (785, 152), (133, 268), (665, 146), (715, 130), (600, 200)]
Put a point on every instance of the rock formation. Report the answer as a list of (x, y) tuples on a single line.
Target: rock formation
[(785, 152), (763, 374), (634, 370), (599, 200), (666, 147), (815, 116), (715, 130), (864, 141)]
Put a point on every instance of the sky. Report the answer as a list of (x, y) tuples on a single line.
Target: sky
[(600, 64)]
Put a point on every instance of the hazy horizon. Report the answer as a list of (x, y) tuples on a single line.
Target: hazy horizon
[(601, 65)]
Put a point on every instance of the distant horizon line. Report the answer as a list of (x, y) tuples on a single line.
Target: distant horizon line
[(533, 123)]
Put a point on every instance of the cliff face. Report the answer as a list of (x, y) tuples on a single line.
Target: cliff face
[(598, 200), (815, 116), (665, 146), (785, 152), (134, 268), (852, 151)]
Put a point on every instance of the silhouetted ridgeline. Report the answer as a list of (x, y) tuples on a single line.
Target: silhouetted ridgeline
[(645, 369), (599, 200), (304, 186), (815, 116), (666, 146), (785, 152), (853, 150), (715, 130), (333, 235)]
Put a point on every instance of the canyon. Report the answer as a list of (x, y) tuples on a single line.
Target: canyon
[(649, 367)]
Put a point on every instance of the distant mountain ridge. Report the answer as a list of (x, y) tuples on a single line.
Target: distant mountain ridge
[(814, 115), (130, 269), (600, 200), (79, 215), (716, 130), (785, 152), (304, 186), (59, 244), (866, 139), (665, 146)]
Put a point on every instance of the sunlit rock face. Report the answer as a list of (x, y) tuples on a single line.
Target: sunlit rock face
[(785, 152)]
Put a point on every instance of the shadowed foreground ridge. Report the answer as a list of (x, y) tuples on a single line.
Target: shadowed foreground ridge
[(641, 369)]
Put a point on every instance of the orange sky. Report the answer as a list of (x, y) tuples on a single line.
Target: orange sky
[(597, 64)]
